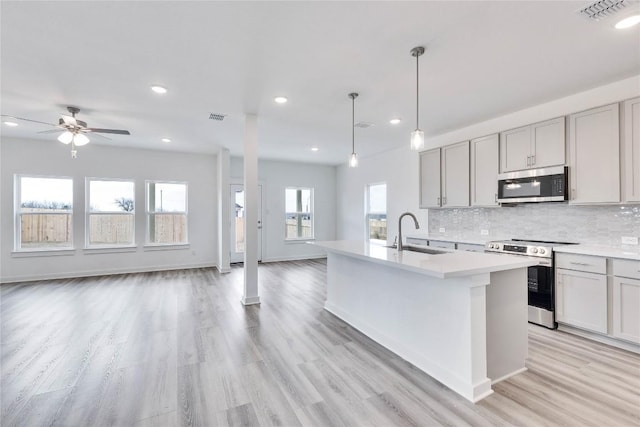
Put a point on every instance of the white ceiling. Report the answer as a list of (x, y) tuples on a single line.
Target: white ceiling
[(483, 59)]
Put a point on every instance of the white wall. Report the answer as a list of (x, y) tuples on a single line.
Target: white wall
[(399, 170), (399, 167), (19, 156), (275, 176), (602, 95)]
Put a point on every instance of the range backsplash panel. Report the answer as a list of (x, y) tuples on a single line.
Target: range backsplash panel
[(599, 225)]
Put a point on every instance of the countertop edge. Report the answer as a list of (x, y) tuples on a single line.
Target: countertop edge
[(514, 263), (601, 251)]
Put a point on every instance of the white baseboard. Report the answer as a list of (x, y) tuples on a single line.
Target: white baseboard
[(600, 338), (107, 272), (250, 300), (293, 258)]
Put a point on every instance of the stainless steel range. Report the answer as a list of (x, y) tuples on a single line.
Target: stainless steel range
[(540, 278)]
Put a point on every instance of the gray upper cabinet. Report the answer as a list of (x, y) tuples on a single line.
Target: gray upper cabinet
[(631, 147), (430, 178), (444, 176), (594, 152), (538, 145), (484, 171), (455, 175), (515, 149)]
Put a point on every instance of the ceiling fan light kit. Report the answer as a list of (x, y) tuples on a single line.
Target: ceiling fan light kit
[(74, 130)]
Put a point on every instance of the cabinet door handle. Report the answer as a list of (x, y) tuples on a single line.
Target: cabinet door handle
[(444, 201), (579, 263), (573, 194), (496, 198), (438, 201), (533, 160), (528, 160)]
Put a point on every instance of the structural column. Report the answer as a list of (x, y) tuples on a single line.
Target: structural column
[(224, 208), (250, 294)]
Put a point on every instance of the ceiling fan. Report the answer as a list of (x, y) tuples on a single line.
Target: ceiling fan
[(74, 130)]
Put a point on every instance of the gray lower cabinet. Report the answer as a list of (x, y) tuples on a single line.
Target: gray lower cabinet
[(581, 291), (625, 305), (442, 244), (470, 247), (581, 300)]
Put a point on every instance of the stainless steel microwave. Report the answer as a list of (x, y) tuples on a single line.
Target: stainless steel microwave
[(534, 185)]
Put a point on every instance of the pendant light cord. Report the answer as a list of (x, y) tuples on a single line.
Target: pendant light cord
[(417, 91), (353, 125)]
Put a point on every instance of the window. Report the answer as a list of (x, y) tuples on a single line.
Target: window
[(44, 213), (299, 213), (166, 213), (377, 212), (110, 213)]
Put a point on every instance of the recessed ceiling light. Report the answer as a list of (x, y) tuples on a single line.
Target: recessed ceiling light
[(166, 140), (11, 124), (314, 148), (628, 22), (280, 99), (159, 89), (395, 121)]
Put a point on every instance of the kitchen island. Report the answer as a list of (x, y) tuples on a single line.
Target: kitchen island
[(459, 316)]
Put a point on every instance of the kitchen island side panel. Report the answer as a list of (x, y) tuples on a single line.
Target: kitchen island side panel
[(439, 325)]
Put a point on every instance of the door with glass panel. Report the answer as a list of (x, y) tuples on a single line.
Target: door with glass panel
[(237, 223)]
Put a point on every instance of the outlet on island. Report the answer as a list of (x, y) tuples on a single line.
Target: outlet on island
[(629, 240), (441, 230)]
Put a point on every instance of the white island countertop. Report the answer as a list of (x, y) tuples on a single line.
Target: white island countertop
[(447, 265)]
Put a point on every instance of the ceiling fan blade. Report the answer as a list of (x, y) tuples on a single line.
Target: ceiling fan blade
[(51, 131), (98, 135), (116, 131), (68, 120), (27, 120)]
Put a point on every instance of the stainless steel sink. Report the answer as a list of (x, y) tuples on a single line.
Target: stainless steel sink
[(424, 250)]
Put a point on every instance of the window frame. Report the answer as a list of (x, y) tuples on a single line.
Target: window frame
[(368, 213), (88, 213), (311, 214), (17, 215), (148, 213)]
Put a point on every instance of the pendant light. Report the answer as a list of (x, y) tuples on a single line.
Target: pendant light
[(353, 160), (417, 136)]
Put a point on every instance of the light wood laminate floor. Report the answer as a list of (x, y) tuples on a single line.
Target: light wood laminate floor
[(178, 348)]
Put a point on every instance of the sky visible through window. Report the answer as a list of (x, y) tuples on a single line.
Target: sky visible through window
[(45, 190), (290, 200), (378, 198), (103, 195), (170, 197)]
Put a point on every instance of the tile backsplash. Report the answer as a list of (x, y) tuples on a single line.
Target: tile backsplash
[(599, 225)]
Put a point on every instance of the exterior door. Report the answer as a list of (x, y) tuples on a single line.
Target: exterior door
[(237, 223)]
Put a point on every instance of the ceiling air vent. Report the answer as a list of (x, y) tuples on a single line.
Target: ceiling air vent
[(603, 9), (217, 116), (363, 125)]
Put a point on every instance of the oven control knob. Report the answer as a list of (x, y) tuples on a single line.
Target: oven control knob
[(534, 250), (542, 251)]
